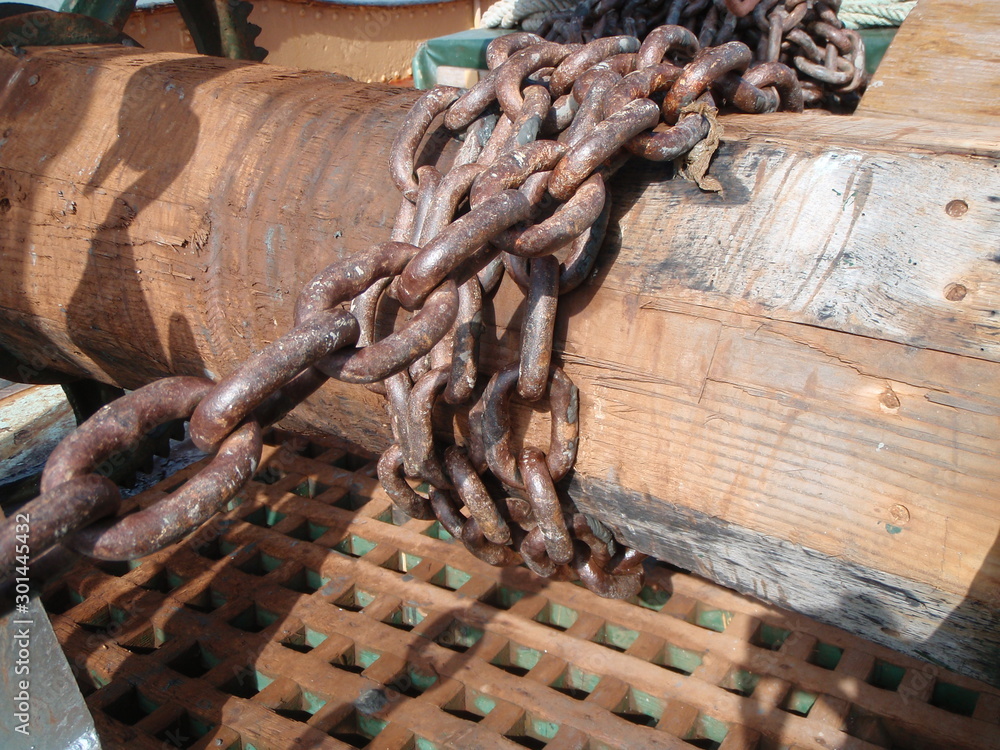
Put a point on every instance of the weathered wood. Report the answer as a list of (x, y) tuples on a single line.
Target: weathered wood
[(33, 419), (782, 385), (942, 65)]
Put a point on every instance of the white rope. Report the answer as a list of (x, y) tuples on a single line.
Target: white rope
[(855, 14), (507, 14), (863, 14)]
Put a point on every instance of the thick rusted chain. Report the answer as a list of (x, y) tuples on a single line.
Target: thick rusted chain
[(545, 506), (511, 74), (461, 239), (122, 423), (605, 139), (403, 153), (663, 41), (243, 390), (574, 65), (146, 531), (537, 330), (533, 113), (503, 47), (465, 343), (390, 474), (51, 517), (564, 407), (419, 459), (475, 496), (707, 67)]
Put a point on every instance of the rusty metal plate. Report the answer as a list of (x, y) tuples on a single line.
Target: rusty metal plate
[(312, 615)]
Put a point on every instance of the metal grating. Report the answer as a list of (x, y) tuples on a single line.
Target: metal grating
[(313, 615)]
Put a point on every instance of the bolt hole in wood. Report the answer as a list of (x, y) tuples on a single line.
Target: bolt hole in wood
[(956, 208), (4, 205), (955, 292)]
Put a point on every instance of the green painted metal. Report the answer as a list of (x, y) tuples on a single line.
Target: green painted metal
[(43, 28), (112, 12)]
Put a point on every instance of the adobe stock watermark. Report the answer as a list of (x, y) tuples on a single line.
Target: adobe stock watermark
[(22, 626)]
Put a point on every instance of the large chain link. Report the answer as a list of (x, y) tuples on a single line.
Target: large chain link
[(805, 35), (542, 134)]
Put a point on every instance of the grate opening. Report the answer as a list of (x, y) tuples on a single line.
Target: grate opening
[(269, 475), (401, 562), (677, 659), (214, 549), (205, 602), (246, 682), (868, 727), (305, 581), (303, 640), (710, 618), (104, 620), (194, 661), (61, 600), (347, 661), (355, 600), (354, 545), (707, 733), (770, 636), (358, 729), (639, 708), (259, 564), (450, 578), (799, 702), (405, 617), (886, 676), (351, 501), (502, 597), (253, 619), (532, 731), (350, 462), (470, 705), (146, 642), (310, 488), (740, 682), (301, 707), (412, 681), (184, 731), (557, 616), (459, 636), (650, 598), (130, 707), (516, 659), (955, 699), (575, 683), (265, 517), (163, 581), (615, 636), (116, 568), (826, 655), (437, 531)]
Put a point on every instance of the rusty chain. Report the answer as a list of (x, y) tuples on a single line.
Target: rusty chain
[(805, 35), (541, 135)]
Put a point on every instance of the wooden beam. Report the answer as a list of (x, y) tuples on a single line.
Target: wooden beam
[(942, 65), (791, 386)]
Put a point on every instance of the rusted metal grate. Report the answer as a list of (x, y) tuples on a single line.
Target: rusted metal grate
[(313, 615)]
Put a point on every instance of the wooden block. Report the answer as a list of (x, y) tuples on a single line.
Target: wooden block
[(941, 65)]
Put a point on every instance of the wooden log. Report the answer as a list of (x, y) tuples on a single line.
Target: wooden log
[(790, 387)]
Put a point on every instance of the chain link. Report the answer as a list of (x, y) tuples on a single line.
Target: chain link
[(526, 193)]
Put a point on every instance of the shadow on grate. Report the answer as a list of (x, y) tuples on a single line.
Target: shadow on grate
[(311, 614)]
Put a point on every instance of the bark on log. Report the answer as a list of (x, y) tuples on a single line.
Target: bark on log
[(790, 387)]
